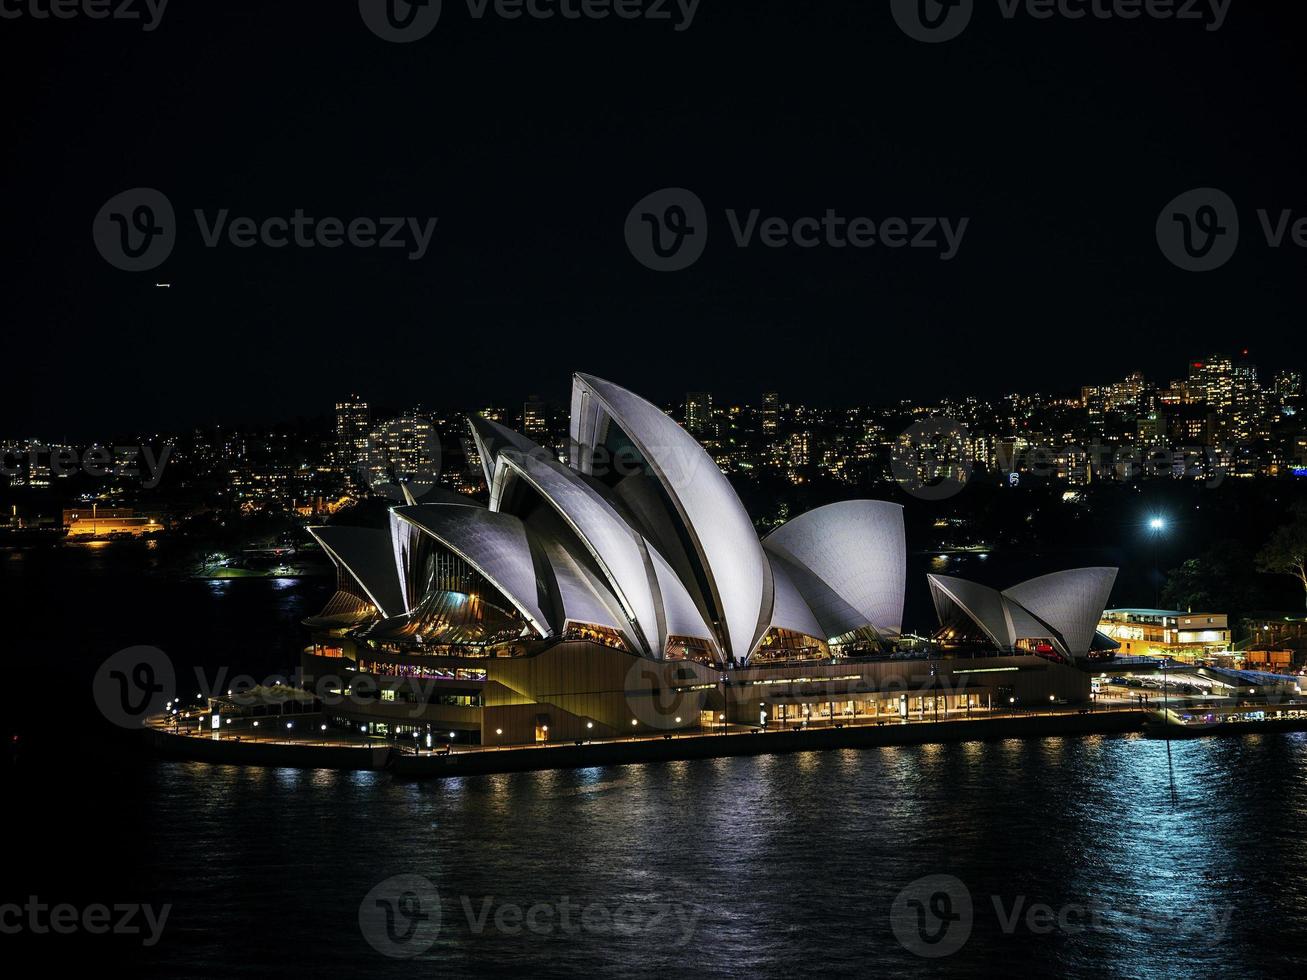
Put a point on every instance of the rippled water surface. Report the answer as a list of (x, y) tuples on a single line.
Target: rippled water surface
[(768, 866)]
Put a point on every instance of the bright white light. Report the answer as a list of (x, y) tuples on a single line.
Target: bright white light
[(1157, 524)]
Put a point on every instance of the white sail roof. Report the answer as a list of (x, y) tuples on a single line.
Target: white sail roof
[(1064, 607), (491, 439), (580, 596), (611, 541), (789, 609), (983, 605), (663, 551), (856, 549), (1072, 602), (496, 545), (681, 616), (366, 556), (713, 519)]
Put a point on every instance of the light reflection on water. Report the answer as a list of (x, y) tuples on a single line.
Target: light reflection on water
[(779, 859), (787, 864)]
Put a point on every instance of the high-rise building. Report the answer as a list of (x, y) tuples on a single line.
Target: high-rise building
[(771, 412), (1232, 392), (698, 412), (404, 449), (800, 447), (1126, 396), (534, 423), (353, 423), (1213, 379)]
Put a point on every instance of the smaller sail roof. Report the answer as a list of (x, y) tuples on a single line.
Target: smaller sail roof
[(496, 545), (367, 557), (1064, 607)]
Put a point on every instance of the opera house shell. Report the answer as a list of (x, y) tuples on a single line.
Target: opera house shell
[(623, 588), (1053, 615)]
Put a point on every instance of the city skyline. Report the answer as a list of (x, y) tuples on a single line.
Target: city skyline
[(1180, 373)]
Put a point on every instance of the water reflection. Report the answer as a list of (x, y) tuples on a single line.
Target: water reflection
[(776, 860)]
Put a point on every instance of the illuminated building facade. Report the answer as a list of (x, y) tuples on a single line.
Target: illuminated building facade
[(627, 590), (405, 447), (534, 422), (1181, 636), (353, 424), (698, 412)]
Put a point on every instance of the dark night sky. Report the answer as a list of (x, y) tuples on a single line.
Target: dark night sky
[(532, 140)]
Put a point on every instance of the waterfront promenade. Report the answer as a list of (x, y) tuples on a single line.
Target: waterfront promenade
[(301, 741)]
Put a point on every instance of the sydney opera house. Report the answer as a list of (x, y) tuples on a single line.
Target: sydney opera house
[(625, 591)]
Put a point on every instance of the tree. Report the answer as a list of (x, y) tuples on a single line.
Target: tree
[(1218, 581), (1286, 552)]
